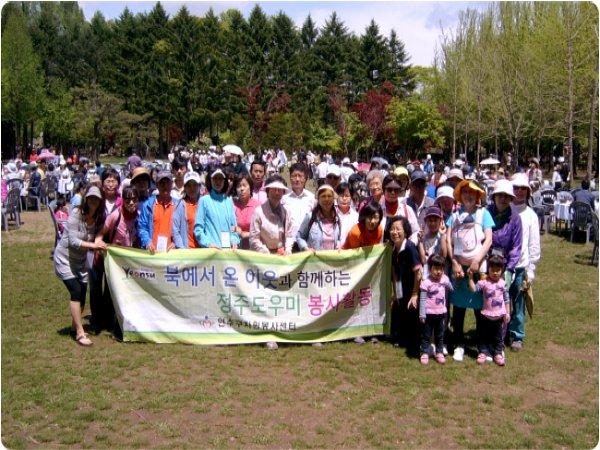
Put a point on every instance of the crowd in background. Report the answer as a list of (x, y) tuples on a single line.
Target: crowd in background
[(463, 238)]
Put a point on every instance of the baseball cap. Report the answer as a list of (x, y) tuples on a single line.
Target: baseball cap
[(217, 172), (455, 173), (417, 175), (93, 191), (433, 211), (164, 174), (191, 176)]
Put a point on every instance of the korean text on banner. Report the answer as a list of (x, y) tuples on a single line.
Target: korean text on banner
[(210, 296)]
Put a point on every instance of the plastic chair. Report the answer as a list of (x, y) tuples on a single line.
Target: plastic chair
[(581, 218), (548, 198), (564, 197), (11, 208)]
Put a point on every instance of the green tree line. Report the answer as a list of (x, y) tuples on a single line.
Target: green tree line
[(523, 77)]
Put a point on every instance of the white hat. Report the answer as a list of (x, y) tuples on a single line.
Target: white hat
[(233, 150), (445, 191), (325, 187), (428, 156), (503, 187), (191, 176), (455, 173), (277, 185), (93, 191), (520, 179), (561, 159), (217, 172), (334, 170), (459, 162), (346, 160)]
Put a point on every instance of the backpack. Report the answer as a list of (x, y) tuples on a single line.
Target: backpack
[(467, 235)]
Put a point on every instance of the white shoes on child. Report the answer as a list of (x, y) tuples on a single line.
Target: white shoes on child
[(459, 354)]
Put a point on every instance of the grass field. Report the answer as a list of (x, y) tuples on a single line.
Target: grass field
[(56, 394)]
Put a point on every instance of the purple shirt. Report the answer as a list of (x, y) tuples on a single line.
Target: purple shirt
[(508, 237)]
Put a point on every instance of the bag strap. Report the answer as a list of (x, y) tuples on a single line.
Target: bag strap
[(114, 230)]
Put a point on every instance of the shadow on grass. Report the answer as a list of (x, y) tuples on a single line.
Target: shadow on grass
[(583, 259)]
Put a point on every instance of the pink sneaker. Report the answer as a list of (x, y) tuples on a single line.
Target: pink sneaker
[(499, 360), (440, 358), (480, 359), (424, 359)]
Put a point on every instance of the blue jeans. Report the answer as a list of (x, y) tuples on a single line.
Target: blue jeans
[(516, 327)]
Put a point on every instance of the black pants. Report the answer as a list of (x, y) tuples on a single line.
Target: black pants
[(101, 305), (434, 323), (405, 325), (458, 324), (491, 342)]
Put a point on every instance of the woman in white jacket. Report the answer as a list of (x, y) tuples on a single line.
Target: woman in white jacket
[(530, 255)]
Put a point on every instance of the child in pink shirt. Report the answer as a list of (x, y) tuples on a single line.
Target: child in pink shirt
[(432, 308), (495, 312), (61, 214)]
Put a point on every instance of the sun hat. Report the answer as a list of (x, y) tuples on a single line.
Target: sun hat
[(217, 172), (459, 162), (325, 187), (445, 191), (503, 187), (455, 173), (334, 170), (433, 211), (191, 176), (346, 160), (400, 171), (164, 174), (520, 180), (140, 172), (277, 185), (93, 191), (418, 175), (470, 184)]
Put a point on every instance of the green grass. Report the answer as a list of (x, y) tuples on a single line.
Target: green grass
[(56, 394)]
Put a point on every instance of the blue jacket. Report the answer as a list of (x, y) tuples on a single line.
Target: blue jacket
[(313, 238), (180, 230), (215, 215), (145, 223)]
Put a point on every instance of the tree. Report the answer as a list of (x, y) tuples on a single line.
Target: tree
[(22, 82)]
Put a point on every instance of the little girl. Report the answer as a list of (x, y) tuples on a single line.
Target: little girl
[(61, 214), (432, 308), (433, 241), (495, 312)]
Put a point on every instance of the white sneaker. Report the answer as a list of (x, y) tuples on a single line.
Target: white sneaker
[(488, 359), (359, 340), (272, 345), (459, 354), (445, 350)]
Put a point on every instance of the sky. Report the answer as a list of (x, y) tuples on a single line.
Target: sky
[(418, 24)]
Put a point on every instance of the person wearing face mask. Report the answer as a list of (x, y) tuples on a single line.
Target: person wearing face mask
[(530, 255), (244, 206), (184, 217), (216, 225)]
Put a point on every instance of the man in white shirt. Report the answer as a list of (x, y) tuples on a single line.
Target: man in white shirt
[(299, 202), (346, 169), (322, 171), (417, 199)]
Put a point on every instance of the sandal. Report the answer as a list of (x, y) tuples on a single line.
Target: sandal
[(83, 340), (424, 359), (499, 360), (481, 359), (440, 358)]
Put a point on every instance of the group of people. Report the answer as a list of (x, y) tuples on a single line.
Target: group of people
[(452, 251)]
